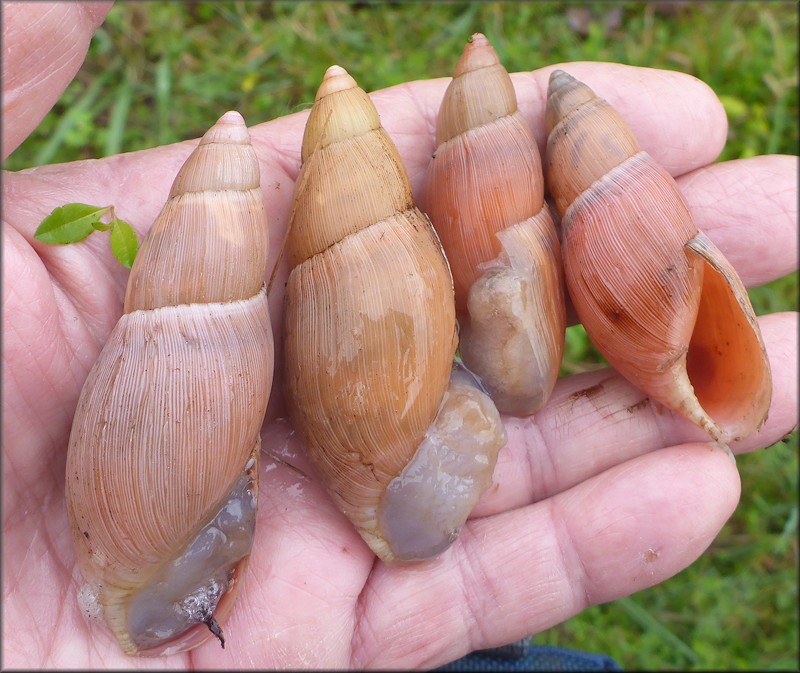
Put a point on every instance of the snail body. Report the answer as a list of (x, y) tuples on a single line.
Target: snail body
[(655, 295), (162, 465), (369, 339), (484, 193)]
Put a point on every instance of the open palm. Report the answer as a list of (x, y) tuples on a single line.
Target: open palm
[(599, 495)]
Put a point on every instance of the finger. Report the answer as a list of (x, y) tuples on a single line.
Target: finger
[(137, 183), (44, 45), (596, 421), (523, 571), (748, 208)]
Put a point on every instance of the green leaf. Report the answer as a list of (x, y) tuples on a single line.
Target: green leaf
[(69, 224), (124, 243)]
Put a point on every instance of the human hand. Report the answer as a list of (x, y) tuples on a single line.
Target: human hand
[(584, 509)]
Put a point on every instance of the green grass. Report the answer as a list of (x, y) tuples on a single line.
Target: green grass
[(159, 72)]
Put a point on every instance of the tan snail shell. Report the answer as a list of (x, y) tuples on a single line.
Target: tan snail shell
[(162, 466), (656, 297), (484, 193), (404, 444)]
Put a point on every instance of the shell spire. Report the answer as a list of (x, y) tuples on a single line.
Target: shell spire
[(656, 297), (360, 192), (214, 214), (480, 92)]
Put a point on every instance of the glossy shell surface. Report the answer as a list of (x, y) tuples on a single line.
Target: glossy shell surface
[(484, 193), (656, 297)]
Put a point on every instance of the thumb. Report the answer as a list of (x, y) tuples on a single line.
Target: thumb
[(44, 44)]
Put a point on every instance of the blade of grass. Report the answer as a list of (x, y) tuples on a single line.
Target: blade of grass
[(789, 531), (779, 119), (119, 116), (776, 86), (460, 25), (49, 149), (163, 99), (644, 619)]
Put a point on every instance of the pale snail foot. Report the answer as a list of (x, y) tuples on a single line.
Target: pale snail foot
[(499, 342), (513, 336), (426, 505), (187, 591)]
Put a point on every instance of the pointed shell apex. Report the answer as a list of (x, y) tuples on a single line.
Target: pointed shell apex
[(477, 54), (564, 94), (336, 78), (558, 79), (230, 128)]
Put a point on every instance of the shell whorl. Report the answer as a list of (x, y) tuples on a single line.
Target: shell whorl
[(214, 214), (352, 175), (586, 138), (481, 91), (341, 110)]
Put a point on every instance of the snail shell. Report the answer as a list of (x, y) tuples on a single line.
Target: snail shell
[(404, 444), (484, 193), (162, 466), (656, 297)]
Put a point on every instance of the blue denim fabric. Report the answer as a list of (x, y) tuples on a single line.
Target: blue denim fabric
[(522, 656)]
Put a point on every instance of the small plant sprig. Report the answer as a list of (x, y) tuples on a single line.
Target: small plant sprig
[(73, 222)]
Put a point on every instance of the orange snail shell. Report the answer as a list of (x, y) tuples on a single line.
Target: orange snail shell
[(484, 193), (655, 295)]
